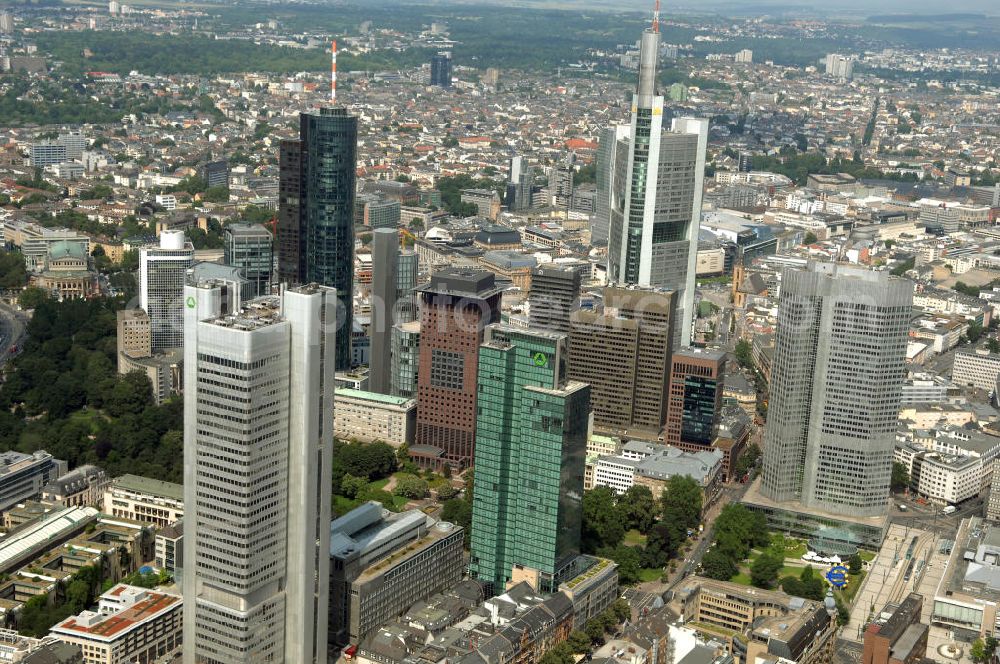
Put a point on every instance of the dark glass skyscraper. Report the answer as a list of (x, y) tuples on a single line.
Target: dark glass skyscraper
[(441, 70), (316, 191)]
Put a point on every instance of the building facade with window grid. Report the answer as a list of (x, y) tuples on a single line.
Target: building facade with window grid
[(835, 388), (531, 445), (258, 433)]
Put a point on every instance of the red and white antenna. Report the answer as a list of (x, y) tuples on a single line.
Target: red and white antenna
[(656, 17), (333, 72)]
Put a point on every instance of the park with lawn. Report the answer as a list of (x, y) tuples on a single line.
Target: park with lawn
[(745, 552)]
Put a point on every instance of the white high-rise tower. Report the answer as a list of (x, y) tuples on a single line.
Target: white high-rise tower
[(162, 274), (258, 436), (655, 180)]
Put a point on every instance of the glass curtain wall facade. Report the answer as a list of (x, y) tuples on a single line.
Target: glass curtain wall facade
[(530, 454)]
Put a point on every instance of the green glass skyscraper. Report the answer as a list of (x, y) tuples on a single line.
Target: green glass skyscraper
[(316, 191), (531, 441)]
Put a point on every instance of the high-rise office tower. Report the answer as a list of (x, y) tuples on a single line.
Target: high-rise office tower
[(695, 397), (455, 308), (258, 433), (607, 160), (249, 248), (405, 358), (407, 270), (441, 69), (561, 183), (531, 446), (623, 353), (554, 296), (839, 365), (316, 190), (656, 190), (385, 263), (162, 274), (520, 177)]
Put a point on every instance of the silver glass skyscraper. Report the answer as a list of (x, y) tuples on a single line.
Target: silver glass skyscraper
[(162, 273), (258, 436), (655, 179), (839, 365)]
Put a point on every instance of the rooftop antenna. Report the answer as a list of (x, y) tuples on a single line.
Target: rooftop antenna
[(656, 16), (333, 72)]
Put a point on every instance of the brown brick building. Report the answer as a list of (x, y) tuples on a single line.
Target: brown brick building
[(455, 307)]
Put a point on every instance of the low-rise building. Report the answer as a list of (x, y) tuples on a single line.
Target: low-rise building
[(370, 416), (979, 368), (22, 476), (130, 625), (169, 548), (146, 500), (772, 623), (653, 465), (18, 649), (968, 593), (82, 486), (896, 635), (382, 563)]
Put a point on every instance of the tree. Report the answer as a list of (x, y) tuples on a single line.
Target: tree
[(813, 586), (602, 526), (681, 501), (353, 487), (974, 332), (854, 564), (900, 476), (410, 486), (31, 297), (747, 460), (459, 512), (993, 345), (810, 238), (595, 630), (629, 562), (638, 508), (661, 544), (978, 651), (765, 568), (579, 642), (446, 492), (219, 194), (717, 565), (12, 271), (744, 353), (561, 653)]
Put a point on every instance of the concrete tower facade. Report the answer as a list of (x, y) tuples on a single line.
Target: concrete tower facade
[(258, 435), (385, 267), (839, 364)]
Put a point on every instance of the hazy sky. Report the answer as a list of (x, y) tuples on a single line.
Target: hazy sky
[(863, 7)]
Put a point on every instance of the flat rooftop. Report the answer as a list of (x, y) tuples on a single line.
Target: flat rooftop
[(109, 627), (150, 486)]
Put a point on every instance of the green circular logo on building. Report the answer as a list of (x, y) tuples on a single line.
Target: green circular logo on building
[(191, 303), (541, 359)]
